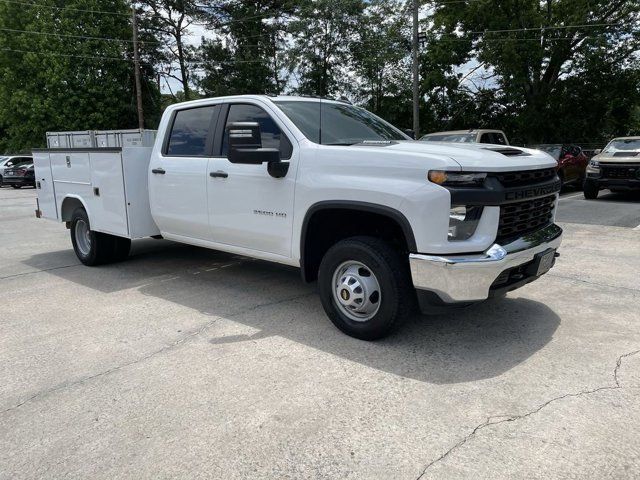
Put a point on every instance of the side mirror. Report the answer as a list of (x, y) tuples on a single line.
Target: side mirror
[(245, 145), (597, 151), (410, 132)]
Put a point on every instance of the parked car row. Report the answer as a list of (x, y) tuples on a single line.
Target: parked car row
[(616, 167), (17, 171)]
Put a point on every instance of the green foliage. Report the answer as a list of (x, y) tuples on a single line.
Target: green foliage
[(323, 35), (250, 58), (58, 82), (554, 82), (551, 83), (379, 61)]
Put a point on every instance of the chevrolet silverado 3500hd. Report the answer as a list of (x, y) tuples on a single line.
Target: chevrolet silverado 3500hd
[(379, 220)]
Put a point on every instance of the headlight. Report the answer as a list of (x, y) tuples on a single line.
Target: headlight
[(456, 179), (593, 166), (463, 221)]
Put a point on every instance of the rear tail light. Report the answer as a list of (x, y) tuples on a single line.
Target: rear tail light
[(22, 172)]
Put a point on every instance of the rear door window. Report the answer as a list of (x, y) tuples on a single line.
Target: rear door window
[(192, 132)]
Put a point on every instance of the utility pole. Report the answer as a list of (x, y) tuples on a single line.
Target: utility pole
[(414, 68), (136, 66)]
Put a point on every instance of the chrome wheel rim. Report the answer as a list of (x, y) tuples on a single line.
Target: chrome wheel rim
[(83, 237), (356, 291)]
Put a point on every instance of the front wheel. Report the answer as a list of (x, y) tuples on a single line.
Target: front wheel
[(365, 287), (590, 190), (95, 248)]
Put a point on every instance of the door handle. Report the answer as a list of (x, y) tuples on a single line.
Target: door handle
[(218, 174), (158, 170)]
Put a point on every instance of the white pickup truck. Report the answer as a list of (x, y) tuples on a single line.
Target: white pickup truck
[(379, 220)]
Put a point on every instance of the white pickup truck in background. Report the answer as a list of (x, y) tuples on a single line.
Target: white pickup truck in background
[(379, 220)]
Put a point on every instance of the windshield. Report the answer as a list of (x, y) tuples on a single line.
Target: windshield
[(341, 124), (450, 137), (553, 150), (623, 145)]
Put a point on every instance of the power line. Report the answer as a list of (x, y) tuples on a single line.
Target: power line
[(111, 39), (102, 57), (146, 13), (558, 27), (84, 37), (66, 55), (54, 7)]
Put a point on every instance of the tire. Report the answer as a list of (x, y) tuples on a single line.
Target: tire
[(95, 248), (590, 190), (371, 263), (121, 248)]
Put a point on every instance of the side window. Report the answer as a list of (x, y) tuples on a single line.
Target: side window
[(486, 138), (191, 131), (500, 140), (272, 136)]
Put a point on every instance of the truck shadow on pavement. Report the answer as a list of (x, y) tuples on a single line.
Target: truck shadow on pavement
[(466, 345)]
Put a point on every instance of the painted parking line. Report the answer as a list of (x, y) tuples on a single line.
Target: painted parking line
[(565, 197), (637, 228)]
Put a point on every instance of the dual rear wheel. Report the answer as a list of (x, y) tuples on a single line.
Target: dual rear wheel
[(95, 248)]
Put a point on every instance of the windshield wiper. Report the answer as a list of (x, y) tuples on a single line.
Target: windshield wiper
[(341, 143)]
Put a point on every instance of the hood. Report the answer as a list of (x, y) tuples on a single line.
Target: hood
[(618, 157), (475, 157)]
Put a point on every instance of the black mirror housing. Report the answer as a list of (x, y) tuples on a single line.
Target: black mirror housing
[(410, 133), (245, 145)]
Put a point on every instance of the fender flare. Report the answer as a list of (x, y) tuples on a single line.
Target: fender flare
[(75, 197), (384, 210)]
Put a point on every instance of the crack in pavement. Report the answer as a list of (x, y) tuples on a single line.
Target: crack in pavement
[(39, 271), (498, 419), (180, 341), (589, 282)]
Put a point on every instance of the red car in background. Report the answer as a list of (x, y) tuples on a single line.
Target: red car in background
[(572, 162)]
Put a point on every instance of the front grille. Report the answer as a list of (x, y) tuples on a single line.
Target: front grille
[(525, 177), (520, 218), (619, 171)]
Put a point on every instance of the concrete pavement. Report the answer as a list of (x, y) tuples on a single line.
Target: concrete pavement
[(188, 363)]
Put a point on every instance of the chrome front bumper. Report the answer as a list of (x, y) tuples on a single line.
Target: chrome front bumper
[(467, 278)]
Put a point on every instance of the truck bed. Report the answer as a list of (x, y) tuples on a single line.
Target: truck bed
[(111, 183)]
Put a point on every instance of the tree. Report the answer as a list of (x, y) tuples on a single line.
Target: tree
[(246, 57), (58, 71), (380, 62), (170, 20), (323, 34), (566, 43)]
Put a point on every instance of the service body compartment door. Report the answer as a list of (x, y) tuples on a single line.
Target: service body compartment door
[(71, 167), (109, 209), (135, 163), (44, 185)]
